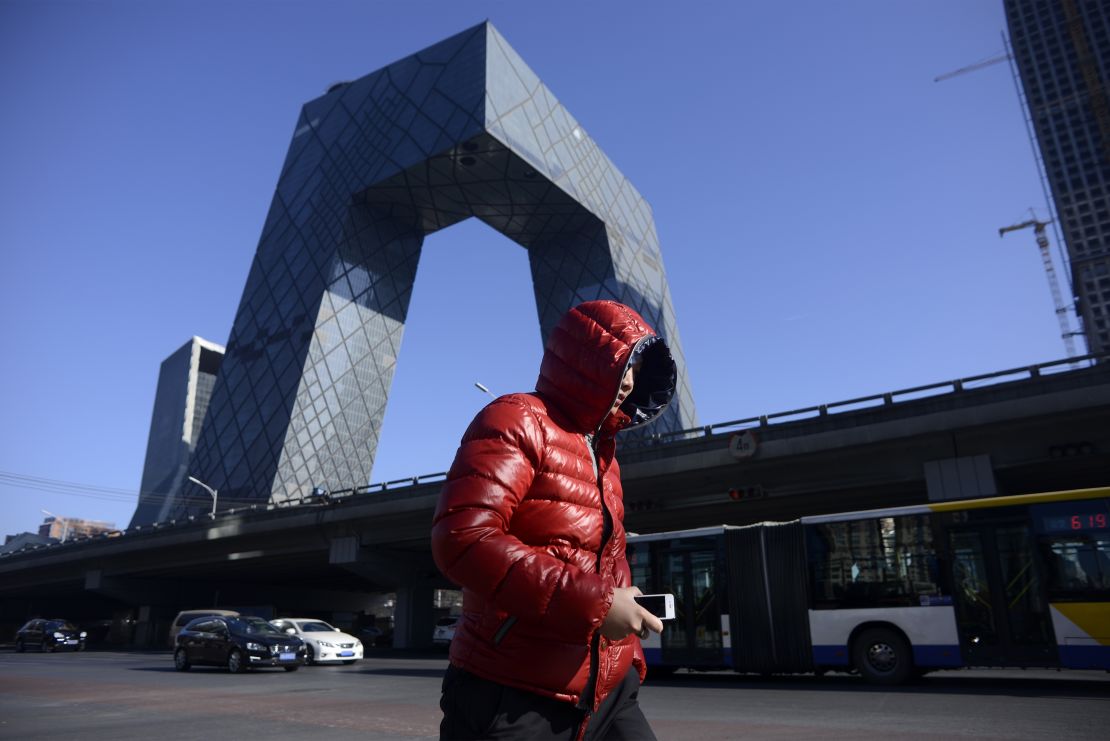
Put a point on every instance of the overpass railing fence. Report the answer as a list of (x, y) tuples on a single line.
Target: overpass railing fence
[(888, 398), (324, 497)]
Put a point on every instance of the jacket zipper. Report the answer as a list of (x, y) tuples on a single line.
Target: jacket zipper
[(606, 524), (595, 643)]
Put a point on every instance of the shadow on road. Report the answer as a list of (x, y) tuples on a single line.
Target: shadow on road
[(275, 670), (397, 672), (1042, 685)]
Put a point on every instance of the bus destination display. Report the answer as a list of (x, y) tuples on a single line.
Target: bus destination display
[(1063, 523), (1074, 517)]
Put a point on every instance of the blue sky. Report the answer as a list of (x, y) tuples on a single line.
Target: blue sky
[(828, 214)]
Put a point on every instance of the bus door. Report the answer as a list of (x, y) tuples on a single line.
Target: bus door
[(693, 638), (1001, 605)]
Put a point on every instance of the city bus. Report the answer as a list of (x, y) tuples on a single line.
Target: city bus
[(1010, 581)]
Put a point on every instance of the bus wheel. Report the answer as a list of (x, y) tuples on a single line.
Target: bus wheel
[(882, 656)]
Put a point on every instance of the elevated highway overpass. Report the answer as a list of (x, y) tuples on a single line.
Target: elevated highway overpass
[(1030, 429)]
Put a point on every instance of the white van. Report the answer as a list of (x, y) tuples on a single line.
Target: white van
[(185, 616)]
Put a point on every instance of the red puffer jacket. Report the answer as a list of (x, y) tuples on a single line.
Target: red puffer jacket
[(528, 529)]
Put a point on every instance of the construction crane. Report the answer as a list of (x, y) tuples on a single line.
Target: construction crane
[(972, 67), (1050, 272)]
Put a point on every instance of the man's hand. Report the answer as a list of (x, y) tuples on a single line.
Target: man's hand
[(625, 616)]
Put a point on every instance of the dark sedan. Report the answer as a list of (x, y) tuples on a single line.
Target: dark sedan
[(239, 643), (49, 635)]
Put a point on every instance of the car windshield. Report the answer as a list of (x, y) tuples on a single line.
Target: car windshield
[(252, 626), (317, 627), (60, 625)]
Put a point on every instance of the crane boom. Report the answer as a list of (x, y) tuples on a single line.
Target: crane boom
[(1050, 273), (972, 67)]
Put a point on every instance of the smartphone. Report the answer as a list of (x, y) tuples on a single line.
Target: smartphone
[(659, 605)]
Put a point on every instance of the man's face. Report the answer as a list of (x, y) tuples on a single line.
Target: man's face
[(627, 383)]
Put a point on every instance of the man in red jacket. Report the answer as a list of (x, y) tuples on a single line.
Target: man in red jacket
[(530, 524)]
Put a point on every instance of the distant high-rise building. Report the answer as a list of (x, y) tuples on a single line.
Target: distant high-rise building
[(185, 384), (1062, 50), (67, 528)]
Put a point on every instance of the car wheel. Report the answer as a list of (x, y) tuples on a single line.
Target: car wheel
[(235, 663), (19, 646), (46, 647), (309, 656), (181, 660), (882, 656), (290, 668)]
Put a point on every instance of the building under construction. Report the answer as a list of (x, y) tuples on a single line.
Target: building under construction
[(1062, 52)]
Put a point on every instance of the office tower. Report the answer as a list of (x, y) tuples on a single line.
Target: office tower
[(1062, 50), (463, 128), (185, 384), (68, 528)]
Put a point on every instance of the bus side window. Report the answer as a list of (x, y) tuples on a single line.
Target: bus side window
[(639, 561), (1102, 559), (872, 562), (1076, 565)]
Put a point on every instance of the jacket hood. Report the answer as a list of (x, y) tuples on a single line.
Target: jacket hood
[(586, 357)]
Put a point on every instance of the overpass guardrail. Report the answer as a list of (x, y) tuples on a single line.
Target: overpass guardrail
[(884, 399)]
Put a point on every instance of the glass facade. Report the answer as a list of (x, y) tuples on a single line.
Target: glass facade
[(185, 383), (463, 128), (1062, 50)]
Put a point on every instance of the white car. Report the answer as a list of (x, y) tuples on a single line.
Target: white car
[(322, 641), (444, 631)]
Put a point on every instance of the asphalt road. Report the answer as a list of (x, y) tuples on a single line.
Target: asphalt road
[(121, 695)]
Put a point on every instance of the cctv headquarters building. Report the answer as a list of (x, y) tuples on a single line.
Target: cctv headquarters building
[(463, 128)]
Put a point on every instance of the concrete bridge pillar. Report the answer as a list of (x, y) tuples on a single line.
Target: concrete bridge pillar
[(413, 617)]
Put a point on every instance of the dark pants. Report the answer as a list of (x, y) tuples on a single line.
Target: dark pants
[(476, 708)]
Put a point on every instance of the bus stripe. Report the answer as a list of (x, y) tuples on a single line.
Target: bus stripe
[(1089, 623), (1085, 657), (1020, 499)]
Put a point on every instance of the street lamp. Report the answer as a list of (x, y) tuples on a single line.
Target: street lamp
[(482, 388), (208, 489), (65, 522)]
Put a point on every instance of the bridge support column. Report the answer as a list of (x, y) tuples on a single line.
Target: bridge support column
[(146, 629), (412, 617), (150, 601)]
